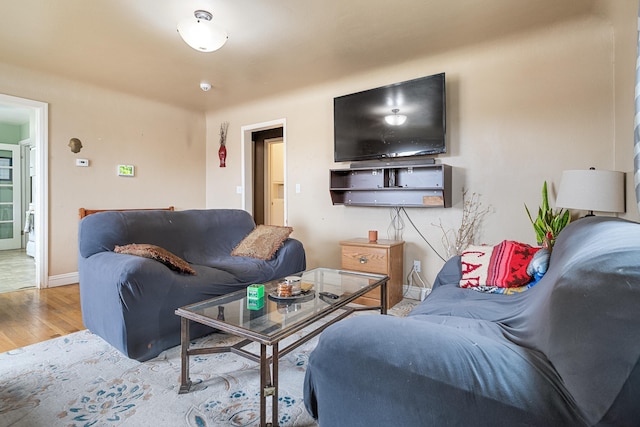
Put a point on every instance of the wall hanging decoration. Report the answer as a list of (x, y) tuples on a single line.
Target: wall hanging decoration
[(222, 151), (75, 145)]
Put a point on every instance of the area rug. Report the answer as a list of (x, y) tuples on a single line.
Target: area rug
[(80, 380)]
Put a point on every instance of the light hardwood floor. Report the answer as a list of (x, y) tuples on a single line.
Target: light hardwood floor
[(32, 315)]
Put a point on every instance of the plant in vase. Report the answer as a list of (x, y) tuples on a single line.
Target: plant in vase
[(222, 151), (549, 222)]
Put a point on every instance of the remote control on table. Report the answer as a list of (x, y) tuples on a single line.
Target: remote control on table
[(329, 295)]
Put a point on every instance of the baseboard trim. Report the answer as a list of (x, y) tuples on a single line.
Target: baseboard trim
[(63, 279)]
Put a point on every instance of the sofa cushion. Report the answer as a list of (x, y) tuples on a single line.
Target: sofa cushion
[(262, 242), (157, 253)]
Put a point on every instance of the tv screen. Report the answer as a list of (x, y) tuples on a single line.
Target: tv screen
[(369, 124)]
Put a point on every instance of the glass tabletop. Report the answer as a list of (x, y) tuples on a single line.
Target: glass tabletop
[(271, 317)]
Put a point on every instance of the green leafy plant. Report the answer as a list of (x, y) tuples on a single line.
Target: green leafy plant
[(549, 222)]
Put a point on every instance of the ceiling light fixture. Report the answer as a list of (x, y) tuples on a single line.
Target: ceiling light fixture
[(200, 33), (395, 119)]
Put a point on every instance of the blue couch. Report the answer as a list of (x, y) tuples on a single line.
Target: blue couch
[(566, 352), (130, 301)]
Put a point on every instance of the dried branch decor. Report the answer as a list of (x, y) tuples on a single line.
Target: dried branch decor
[(222, 151), (224, 127), (473, 212)]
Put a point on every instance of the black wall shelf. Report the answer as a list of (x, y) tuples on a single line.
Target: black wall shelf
[(427, 186)]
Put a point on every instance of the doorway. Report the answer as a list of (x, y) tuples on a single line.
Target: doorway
[(274, 182), (264, 184), (28, 180)]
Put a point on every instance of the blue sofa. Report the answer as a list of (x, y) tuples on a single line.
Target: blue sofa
[(130, 301), (566, 352)]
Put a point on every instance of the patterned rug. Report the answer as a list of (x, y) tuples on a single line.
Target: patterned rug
[(80, 380)]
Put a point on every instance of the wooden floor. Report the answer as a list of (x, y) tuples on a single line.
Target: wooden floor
[(30, 316)]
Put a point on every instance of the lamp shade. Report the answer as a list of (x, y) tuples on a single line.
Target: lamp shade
[(592, 190), (200, 33)]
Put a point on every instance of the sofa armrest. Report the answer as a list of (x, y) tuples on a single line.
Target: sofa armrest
[(289, 259), (290, 255), (130, 301), (450, 273), (384, 370)]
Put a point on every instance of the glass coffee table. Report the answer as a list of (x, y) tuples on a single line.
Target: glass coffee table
[(273, 319)]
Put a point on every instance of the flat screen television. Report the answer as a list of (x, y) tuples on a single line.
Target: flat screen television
[(362, 130)]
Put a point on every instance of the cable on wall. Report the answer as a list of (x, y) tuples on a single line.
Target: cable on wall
[(396, 226), (421, 235)]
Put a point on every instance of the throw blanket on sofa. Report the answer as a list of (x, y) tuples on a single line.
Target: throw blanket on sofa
[(130, 301), (564, 353)]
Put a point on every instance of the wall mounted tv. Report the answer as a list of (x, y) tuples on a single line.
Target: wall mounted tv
[(362, 133)]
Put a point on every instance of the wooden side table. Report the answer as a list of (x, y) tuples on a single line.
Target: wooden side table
[(381, 257)]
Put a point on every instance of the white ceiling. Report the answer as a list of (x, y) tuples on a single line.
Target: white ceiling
[(274, 45)]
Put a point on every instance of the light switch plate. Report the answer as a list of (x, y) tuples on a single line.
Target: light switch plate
[(82, 162)]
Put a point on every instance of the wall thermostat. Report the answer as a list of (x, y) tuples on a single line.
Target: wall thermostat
[(126, 170)]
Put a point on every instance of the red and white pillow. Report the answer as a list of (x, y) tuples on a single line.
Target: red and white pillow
[(475, 262), (501, 266)]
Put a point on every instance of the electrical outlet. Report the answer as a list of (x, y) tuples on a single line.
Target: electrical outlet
[(416, 266), (414, 292)]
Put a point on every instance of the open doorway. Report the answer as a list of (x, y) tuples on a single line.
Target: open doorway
[(17, 266), (264, 172), (268, 176), (23, 195)]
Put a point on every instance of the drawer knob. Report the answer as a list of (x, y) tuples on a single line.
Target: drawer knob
[(363, 260)]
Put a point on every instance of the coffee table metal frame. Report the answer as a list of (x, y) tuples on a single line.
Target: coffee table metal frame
[(269, 378)]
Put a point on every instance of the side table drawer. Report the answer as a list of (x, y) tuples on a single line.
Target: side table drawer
[(371, 260)]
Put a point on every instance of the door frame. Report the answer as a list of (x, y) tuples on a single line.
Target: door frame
[(247, 167), (25, 153), (39, 132)]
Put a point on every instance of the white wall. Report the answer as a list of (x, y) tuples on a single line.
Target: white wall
[(166, 144), (520, 111)]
